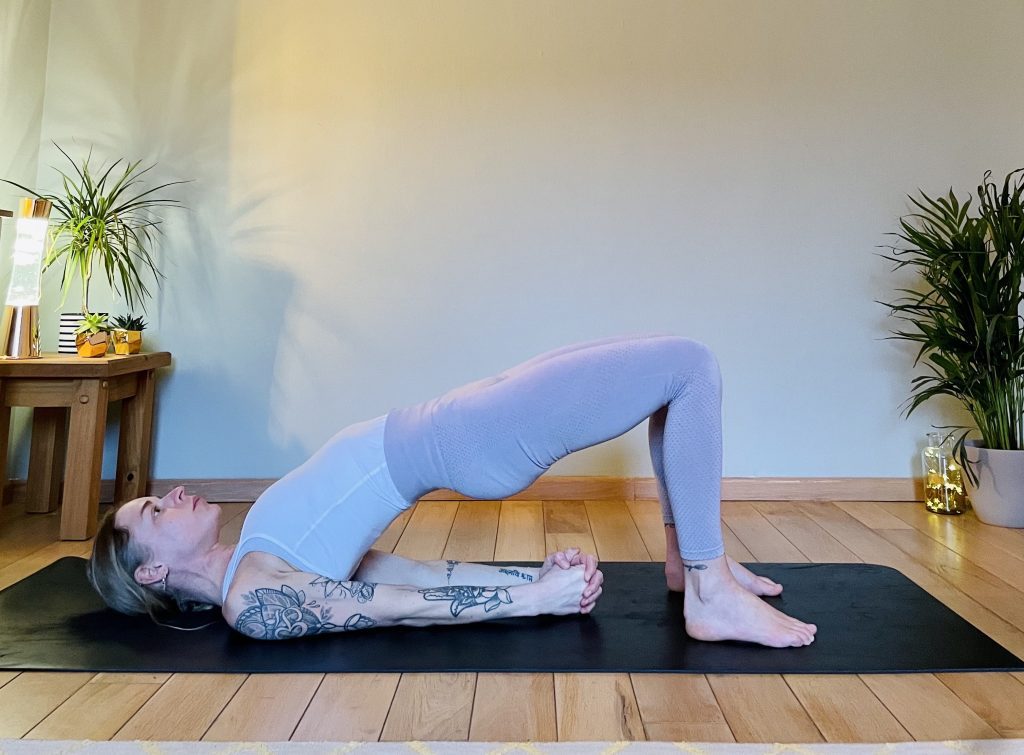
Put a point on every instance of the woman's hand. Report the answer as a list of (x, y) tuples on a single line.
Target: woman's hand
[(571, 557), (560, 591)]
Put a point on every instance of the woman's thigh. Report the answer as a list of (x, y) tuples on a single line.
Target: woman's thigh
[(497, 438)]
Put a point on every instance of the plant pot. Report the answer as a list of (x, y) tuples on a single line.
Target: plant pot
[(999, 497), (92, 344), (67, 340), (127, 341)]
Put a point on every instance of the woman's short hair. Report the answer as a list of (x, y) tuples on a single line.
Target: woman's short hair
[(111, 572)]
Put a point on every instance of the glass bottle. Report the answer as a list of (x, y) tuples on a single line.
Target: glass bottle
[(943, 482)]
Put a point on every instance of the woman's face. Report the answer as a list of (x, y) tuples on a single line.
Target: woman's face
[(177, 529)]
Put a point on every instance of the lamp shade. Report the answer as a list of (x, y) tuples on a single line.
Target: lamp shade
[(29, 242), (19, 329)]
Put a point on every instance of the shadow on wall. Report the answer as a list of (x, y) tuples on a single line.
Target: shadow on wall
[(221, 315), (23, 35), (162, 93)]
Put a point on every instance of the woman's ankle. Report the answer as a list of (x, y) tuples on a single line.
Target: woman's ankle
[(672, 557), (703, 577)]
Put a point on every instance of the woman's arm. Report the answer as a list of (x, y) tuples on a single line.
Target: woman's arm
[(289, 604), (387, 568)]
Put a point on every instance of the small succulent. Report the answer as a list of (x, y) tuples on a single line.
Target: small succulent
[(129, 322), (93, 323)]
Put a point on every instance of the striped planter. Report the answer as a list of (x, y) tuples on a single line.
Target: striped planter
[(69, 322)]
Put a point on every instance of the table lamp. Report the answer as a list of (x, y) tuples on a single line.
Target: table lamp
[(19, 330)]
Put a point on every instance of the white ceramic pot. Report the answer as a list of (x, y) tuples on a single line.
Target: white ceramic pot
[(999, 497)]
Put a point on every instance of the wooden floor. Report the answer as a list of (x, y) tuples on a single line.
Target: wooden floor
[(976, 570)]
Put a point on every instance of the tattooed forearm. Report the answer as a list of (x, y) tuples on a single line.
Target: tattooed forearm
[(361, 591), (462, 597), (698, 567), (451, 568), (516, 573), (285, 613)]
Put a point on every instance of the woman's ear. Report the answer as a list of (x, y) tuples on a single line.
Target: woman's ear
[(147, 575)]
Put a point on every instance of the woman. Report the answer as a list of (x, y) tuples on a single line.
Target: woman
[(303, 564)]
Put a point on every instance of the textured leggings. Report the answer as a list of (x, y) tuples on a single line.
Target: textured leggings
[(498, 435)]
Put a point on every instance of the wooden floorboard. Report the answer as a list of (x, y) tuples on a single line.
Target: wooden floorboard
[(348, 707), (680, 707), (844, 709), (514, 707), (975, 569), (99, 708)]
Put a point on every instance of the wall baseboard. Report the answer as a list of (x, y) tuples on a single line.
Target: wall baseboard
[(567, 488)]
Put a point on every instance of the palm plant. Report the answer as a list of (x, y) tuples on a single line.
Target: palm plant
[(105, 224), (969, 316)]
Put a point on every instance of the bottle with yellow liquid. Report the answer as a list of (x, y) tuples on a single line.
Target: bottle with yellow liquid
[(943, 484)]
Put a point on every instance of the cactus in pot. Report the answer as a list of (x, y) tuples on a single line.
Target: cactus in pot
[(127, 334), (92, 338)]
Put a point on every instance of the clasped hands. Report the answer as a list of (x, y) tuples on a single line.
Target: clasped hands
[(592, 576)]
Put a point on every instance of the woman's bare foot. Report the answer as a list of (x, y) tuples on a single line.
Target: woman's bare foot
[(717, 607), (675, 573)]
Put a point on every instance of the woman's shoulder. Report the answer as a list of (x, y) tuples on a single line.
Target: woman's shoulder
[(255, 569)]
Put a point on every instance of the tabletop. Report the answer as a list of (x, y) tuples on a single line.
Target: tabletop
[(52, 364)]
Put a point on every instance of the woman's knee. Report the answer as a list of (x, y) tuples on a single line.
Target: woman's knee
[(692, 357)]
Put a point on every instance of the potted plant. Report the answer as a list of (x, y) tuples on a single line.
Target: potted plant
[(103, 221), (969, 323), (93, 336), (127, 334)]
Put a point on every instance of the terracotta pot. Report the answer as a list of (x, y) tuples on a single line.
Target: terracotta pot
[(999, 497), (127, 341), (92, 344)]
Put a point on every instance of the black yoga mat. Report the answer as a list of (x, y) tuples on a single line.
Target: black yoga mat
[(871, 619)]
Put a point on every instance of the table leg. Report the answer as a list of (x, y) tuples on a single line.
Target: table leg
[(132, 480), (46, 459), (84, 460), (5, 439)]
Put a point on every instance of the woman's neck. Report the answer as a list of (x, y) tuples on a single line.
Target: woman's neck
[(206, 583)]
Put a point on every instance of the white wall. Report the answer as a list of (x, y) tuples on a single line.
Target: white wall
[(394, 198), (24, 40)]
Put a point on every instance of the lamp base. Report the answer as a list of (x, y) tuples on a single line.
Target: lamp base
[(19, 332)]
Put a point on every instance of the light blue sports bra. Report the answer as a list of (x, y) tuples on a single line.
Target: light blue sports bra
[(323, 516)]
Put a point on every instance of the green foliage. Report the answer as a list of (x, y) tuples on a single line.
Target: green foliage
[(968, 318), (129, 322), (93, 323), (108, 225)]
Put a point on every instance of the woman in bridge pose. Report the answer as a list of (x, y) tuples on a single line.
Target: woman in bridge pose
[(304, 563)]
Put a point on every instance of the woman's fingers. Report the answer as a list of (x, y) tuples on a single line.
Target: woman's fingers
[(590, 566), (594, 584), (562, 561), (588, 603)]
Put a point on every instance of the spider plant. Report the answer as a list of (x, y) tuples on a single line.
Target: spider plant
[(105, 224), (968, 317)]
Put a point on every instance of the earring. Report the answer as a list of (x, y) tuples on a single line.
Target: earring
[(163, 583)]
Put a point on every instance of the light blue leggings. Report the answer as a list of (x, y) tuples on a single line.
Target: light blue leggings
[(492, 438)]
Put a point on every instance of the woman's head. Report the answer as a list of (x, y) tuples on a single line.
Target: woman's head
[(142, 546)]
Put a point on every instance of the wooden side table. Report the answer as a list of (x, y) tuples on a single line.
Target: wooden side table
[(53, 384)]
